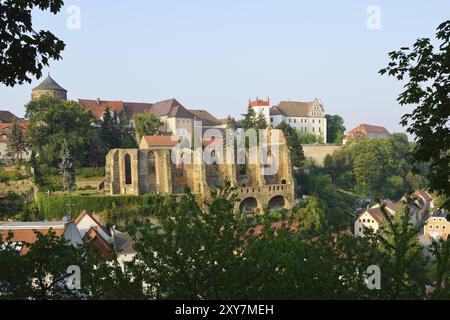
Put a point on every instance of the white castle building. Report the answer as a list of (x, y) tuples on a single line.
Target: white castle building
[(306, 117)]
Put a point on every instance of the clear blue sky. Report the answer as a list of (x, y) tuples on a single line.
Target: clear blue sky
[(215, 55)]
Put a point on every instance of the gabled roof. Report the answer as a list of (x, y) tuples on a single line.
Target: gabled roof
[(375, 212), (98, 224), (170, 108), (123, 243), (423, 194), (26, 231), (134, 108), (206, 118), (7, 116), (49, 84), (161, 141), (98, 107), (292, 109), (102, 244)]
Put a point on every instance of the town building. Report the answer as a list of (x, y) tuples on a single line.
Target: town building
[(373, 218), (5, 129), (437, 227), (7, 117), (366, 130), (25, 232), (306, 117)]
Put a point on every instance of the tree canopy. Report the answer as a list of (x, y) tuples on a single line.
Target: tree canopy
[(146, 124), (426, 72), (51, 121), (24, 51), (335, 128)]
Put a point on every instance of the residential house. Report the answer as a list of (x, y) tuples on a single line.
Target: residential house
[(92, 230), (437, 227), (366, 130), (123, 245), (7, 117), (5, 129), (373, 218), (25, 232)]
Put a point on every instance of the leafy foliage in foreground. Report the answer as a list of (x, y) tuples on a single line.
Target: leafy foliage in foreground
[(426, 70), (207, 251)]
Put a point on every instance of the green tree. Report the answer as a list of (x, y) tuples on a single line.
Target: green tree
[(426, 70), (16, 143), (293, 143), (127, 133), (249, 120), (310, 216), (335, 128), (110, 133), (400, 257), (25, 51), (310, 138), (51, 121), (260, 121), (67, 167), (147, 124), (374, 167)]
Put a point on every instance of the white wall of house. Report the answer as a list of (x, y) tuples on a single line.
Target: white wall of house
[(86, 223), (314, 125), (4, 153), (365, 220)]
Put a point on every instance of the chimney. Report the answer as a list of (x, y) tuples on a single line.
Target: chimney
[(98, 101)]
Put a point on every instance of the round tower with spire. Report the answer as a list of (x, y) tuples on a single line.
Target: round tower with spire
[(49, 87)]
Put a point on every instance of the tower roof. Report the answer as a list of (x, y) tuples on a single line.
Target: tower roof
[(49, 84)]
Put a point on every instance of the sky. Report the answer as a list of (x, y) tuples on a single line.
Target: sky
[(217, 54)]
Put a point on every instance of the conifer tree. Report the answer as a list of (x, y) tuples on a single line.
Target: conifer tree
[(67, 167)]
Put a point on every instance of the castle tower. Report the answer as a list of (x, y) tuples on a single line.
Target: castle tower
[(49, 87), (261, 106)]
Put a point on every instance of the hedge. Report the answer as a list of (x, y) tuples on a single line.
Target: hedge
[(57, 206)]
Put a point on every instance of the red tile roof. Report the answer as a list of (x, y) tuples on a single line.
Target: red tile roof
[(85, 213), (28, 235), (158, 141), (101, 244), (7, 116), (364, 129), (98, 107)]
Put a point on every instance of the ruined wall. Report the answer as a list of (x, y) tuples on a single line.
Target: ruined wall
[(153, 171)]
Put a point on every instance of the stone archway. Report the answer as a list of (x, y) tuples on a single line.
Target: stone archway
[(248, 205), (277, 202)]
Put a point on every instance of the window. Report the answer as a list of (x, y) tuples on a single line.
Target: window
[(364, 220), (313, 121), (289, 120), (271, 119), (431, 226), (128, 179)]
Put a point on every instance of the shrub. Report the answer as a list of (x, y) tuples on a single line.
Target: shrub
[(58, 206)]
